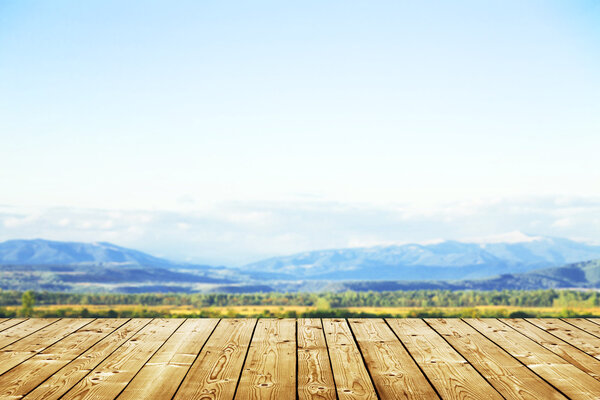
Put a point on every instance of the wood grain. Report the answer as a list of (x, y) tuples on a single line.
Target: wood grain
[(23, 329), (23, 349), (594, 320), (162, 374), (590, 325), (315, 378), (395, 374), (109, 378), (26, 376), (216, 371), (567, 378), (574, 336), (447, 370), (327, 359), (564, 350), (351, 377), (511, 378), (270, 368), (6, 323), (68, 376)]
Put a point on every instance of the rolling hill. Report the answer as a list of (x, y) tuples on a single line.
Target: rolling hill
[(581, 275)]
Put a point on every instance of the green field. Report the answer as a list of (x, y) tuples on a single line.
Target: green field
[(59, 310), (422, 303)]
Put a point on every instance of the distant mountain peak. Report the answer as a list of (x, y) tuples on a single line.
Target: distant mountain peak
[(450, 259), (508, 237), (48, 252)]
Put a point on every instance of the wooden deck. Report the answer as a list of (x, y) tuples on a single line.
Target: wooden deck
[(299, 359)]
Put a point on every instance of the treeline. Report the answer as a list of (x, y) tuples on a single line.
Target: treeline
[(141, 312), (417, 298)]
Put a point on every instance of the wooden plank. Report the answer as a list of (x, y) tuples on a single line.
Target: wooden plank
[(23, 349), (567, 352), (511, 378), (23, 329), (9, 322), (594, 320), (216, 371), (567, 378), (447, 370), (587, 325), (63, 380), (162, 374), (109, 378), (270, 368), (394, 372), (315, 378), (474, 358), (26, 376), (574, 336), (351, 377)]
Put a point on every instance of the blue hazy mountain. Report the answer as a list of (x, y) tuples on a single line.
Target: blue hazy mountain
[(581, 275), (448, 260), (47, 252), (72, 266)]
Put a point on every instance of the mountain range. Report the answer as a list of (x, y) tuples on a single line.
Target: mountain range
[(448, 260), (581, 275), (72, 266), (48, 252)]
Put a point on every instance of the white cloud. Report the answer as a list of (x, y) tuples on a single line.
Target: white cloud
[(16, 221), (562, 223), (107, 224), (236, 233), (12, 222), (508, 237), (183, 226), (64, 222)]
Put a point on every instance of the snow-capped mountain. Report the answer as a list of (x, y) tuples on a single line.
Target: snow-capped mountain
[(447, 260)]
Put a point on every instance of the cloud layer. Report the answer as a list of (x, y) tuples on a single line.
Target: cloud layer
[(238, 233)]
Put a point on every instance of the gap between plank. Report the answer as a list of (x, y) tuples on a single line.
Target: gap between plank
[(362, 358), (152, 355), (8, 327), (100, 362), (50, 345), (509, 353), (412, 358), (328, 357), (237, 384), (195, 358), (576, 327), (45, 326), (556, 337)]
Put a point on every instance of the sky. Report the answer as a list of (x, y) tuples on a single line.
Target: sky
[(224, 132)]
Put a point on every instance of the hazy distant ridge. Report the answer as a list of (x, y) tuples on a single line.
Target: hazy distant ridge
[(50, 265), (48, 252), (444, 260)]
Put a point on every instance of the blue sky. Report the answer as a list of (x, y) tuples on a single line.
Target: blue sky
[(207, 115)]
